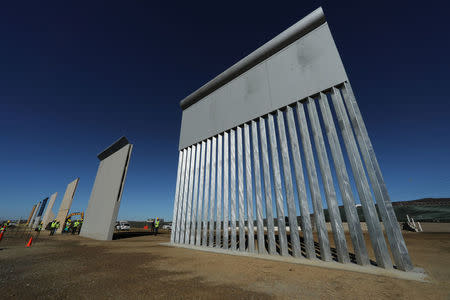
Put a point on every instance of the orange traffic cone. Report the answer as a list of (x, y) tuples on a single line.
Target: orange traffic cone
[(29, 242), (1, 236)]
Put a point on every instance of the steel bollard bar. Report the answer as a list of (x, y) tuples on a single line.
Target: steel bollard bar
[(185, 197), (328, 185), (348, 200), (212, 192), (301, 187), (258, 195), (219, 193), (249, 196), (233, 187), (319, 217), (225, 189), (292, 211), (195, 198), (395, 238), (198, 238), (180, 198), (189, 203), (177, 191), (277, 188), (373, 224), (207, 182), (267, 187), (241, 190)]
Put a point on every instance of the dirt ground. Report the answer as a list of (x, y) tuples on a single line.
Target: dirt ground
[(63, 267)]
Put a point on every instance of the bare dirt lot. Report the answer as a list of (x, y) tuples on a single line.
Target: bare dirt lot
[(63, 267)]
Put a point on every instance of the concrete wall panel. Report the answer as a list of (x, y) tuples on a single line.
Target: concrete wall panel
[(66, 203), (31, 214), (307, 66), (48, 215), (104, 203), (31, 223), (40, 213)]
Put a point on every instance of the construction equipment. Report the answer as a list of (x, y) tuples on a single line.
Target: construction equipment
[(81, 214)]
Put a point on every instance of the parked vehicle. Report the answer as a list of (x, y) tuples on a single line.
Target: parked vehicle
[(122, 225), (167, 227)]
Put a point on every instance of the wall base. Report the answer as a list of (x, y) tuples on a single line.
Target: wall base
[(418, 274)]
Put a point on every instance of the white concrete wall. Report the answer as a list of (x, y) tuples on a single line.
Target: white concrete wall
[(48, 215), (101, 214), (66, 203)]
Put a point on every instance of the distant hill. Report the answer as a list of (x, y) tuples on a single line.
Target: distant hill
[(424, 201), (423, 210)]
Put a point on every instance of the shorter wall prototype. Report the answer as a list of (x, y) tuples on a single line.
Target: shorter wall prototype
[(106, 194), (31, 214), (40, 213), (66, 203), (33, 218), (48, 215)]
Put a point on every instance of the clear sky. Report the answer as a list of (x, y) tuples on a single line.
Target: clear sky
[(77, 75)]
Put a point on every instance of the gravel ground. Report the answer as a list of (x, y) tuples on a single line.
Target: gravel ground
[(63, 267)]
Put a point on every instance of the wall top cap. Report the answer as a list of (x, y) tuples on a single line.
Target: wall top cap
[(287, 37), (116, 146)]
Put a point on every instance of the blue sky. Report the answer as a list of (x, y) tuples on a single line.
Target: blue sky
[(75, 76)]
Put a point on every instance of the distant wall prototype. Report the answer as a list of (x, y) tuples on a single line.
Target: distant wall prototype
[(48, 215), (40, 213), (106, 194), (31, 214), (30, 224), (66, 203)]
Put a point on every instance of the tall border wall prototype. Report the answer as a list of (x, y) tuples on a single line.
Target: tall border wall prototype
[(280, 134), (66, 203), (103, 207), (48, 215)]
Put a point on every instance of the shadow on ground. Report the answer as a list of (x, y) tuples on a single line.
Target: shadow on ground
[(130, 234)]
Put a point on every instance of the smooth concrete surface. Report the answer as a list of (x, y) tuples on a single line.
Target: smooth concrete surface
[(66, 203), (295, 32), (309, 65), (103, 207)]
